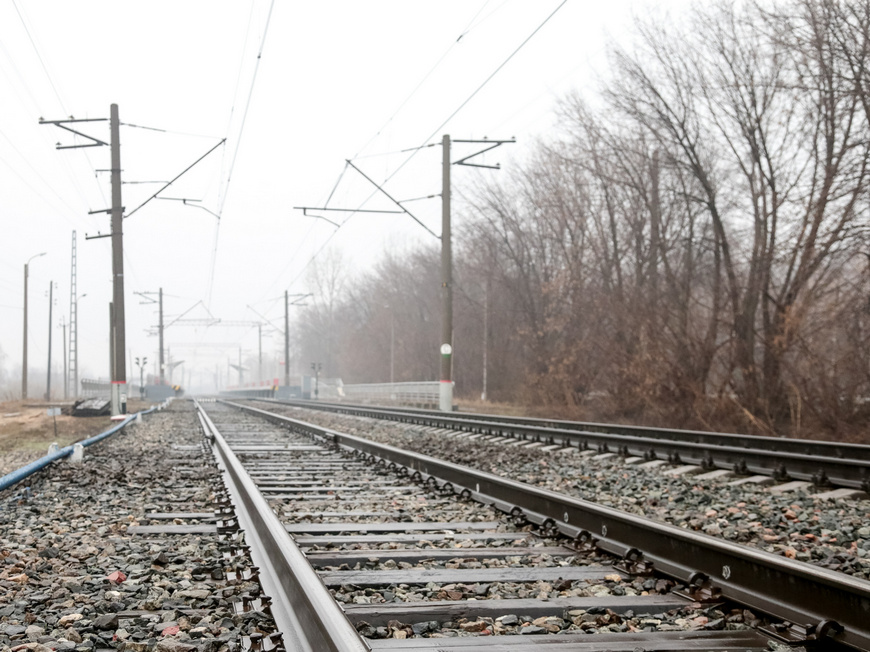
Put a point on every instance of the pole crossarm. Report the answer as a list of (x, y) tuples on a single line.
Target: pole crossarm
[(492, 145), (299, 297), (96, 142), (147, 296)]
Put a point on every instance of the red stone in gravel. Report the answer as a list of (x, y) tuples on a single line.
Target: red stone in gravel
[(117, 577), (170, 631)]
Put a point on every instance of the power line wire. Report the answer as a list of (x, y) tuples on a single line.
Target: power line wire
[(54, 89), (35, 191), (470, 26), (415, 150), (413, 92), (479, 88), (437, 129), (247, 107), (166, 131), (38, 55), (38, 175), (223, 198)]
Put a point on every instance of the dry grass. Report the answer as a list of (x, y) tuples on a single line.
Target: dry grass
[(26, 431)]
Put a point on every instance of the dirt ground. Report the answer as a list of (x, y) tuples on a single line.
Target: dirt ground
[(26, 431)]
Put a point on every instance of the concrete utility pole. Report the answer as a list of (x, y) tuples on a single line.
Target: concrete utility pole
[(119, 370), (160, 374), (446, 390), (117, 339), (446, 394), (241, 370), (286, 339), (24, 351), (486, 293), (160, 356), (296, 299), (111, 340), (48, 375), (446, 349)]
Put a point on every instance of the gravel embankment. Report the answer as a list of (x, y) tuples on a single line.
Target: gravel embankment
[(828, 533), (73, 578)]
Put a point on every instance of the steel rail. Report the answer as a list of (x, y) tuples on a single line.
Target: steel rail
[(831, 603), (844, 465), (306, 614)]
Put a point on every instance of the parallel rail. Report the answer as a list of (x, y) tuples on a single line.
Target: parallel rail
[(820, 462), (306, 615), (825, 603)]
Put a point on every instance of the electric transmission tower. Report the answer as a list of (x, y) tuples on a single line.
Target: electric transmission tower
[(73, 363)]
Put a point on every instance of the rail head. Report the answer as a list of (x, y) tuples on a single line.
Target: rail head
[(793, 591), (308, 617)]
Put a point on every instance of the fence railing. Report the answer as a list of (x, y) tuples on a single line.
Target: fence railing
[(96, 388), (423, 394), (250, 392)]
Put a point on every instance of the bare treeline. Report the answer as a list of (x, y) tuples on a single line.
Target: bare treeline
[(691, 248)]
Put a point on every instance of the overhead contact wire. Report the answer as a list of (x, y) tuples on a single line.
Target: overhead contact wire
[(229, 177)]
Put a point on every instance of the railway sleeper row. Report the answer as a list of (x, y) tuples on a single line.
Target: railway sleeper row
[(810, 605), (825, 464)]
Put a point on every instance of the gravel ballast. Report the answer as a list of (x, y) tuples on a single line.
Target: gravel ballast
[(379, 502), (73, 578), (833, 534)]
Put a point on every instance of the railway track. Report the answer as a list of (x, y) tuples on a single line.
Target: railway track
[(396, 550), (824, 464)]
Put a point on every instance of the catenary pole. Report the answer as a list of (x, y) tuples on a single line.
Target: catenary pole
[(48, 374), (111, 340), (24, 350), (446, 387), (119, 371), (160, 356), (286, 338)]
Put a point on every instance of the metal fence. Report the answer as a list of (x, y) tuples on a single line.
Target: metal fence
[(421, 394), (96, 388), (250, 392)]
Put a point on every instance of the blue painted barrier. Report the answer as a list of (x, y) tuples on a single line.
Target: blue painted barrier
[(19, 474)]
